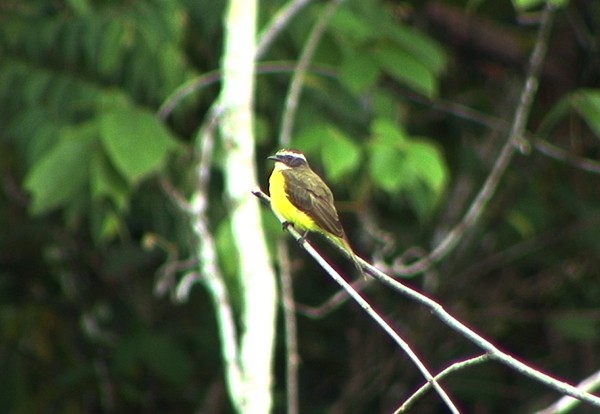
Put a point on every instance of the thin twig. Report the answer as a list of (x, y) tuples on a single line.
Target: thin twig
[(277, 24), (477, 339), (375, 316), (334, 301), (210, 78), (543, 146), (106, 388), (196, 210), (515, 140), (560, 154), (189, 87), (289, 322), (174, 194), (444, 373), (458, 326), (366, 307), (528, 246), (293, 95), (208, 258), (566, 404), (485, 264)]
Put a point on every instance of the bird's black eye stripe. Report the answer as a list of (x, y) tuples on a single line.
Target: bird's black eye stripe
[(293, 161)]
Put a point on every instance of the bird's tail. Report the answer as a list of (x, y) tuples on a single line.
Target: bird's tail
[(343, 243)]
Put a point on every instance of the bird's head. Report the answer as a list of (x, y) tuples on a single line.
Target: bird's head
[(288, 158)]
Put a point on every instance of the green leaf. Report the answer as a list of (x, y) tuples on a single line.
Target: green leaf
[(526, 4), (111, 48), (358, 72), (105, 223), (385, 105), (386, 154), (428, 164), (36, 86), (174, 66), (383, 165), (388, 132), (136, 142), (521, 223), (349, 26), (399, 163), (310, 138), (79, 7), (340, 154), (406, 69), (422, 47), (106, 182), (34, 133), (587, 103), (59, 175), (529, 4)]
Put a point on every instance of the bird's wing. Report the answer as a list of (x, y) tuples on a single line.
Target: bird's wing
[(309, 194)]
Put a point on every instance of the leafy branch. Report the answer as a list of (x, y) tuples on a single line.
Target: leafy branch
[(514, 141)]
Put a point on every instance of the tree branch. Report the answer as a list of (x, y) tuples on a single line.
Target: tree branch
[(277, 24), (208, 259), (514, 140), (365, 306), (478, 340), (289, 321), (443, 315), (565, 404), (447, 371), (491, 122)]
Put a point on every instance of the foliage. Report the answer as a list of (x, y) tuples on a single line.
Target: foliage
[(81, 121), (399, 113), (374, 49), (529, 4)]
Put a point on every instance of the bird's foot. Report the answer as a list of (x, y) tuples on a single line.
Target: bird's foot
[(302, 238), (286, 224)]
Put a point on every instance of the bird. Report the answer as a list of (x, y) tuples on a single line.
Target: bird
[(299, 197)]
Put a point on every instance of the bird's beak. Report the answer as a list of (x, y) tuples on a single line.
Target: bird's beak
[(273, 158)]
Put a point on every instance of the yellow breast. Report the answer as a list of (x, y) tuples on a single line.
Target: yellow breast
[(283, 208)]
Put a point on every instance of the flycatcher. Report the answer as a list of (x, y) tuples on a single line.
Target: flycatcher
[(301, 198)]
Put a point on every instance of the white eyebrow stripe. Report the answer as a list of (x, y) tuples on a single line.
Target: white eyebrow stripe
[(292, 154)]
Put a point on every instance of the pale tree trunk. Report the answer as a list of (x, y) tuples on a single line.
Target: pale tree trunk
[(252, 394)]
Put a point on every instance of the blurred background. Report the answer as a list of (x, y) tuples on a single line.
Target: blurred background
[(405, 107)]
